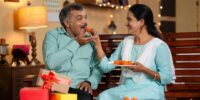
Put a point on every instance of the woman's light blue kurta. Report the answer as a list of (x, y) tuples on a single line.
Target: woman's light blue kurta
[(148, 89), (64, 55)]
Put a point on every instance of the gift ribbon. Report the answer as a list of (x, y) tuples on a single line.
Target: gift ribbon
[(51, 78)]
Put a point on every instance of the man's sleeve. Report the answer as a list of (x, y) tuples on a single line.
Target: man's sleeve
[(55, 56)]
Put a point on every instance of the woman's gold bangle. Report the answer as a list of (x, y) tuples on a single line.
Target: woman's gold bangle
[(155, 76)]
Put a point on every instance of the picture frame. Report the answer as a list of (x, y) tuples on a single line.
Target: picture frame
[(11, 0)]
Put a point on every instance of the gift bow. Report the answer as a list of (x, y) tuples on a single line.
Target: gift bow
[(51, 78)]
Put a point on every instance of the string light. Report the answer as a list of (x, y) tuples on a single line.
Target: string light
[(100, 5), (163, 18), (159, 24), (161, 7), (111, 16), (117, 7), (112, 6), (159, 14)]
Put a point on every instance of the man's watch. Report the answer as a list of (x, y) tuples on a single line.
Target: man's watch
[(88, 82)]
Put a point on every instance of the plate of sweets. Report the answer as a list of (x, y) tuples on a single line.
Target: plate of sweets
[(123, 63)]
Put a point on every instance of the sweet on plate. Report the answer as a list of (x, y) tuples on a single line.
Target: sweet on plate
[(122, 62)]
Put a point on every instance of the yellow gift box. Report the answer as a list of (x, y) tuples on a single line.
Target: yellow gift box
[(60, 96)]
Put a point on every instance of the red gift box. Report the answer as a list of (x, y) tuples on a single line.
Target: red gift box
[(34, 93)]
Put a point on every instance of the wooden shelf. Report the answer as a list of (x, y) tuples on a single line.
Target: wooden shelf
[(12, 79)]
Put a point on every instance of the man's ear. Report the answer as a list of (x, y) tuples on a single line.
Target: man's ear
[(66, 22)]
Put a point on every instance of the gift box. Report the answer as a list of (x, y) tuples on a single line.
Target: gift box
[(53, 81), (34, 93), (24, 48), (59, 96)]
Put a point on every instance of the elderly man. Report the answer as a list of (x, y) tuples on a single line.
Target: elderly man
[(68, 51)]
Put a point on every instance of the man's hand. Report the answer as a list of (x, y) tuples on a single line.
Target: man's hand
[(81, 39), (85, 86)]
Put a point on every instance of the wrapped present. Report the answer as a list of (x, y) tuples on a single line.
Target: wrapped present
[(34, 93), (24, 48), (53, 81), (59, 96)]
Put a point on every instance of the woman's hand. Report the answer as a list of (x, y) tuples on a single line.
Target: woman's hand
[(96, 39), (137, 67), (97, 43)]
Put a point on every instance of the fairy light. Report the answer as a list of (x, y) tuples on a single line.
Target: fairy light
[(159, 24), (112, 6), (159, 14), (161, 7), (111, 16), (121, 7), (117, 7), (100, 5)]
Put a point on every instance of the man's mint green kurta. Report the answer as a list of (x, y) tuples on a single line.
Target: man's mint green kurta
[(64, 55)]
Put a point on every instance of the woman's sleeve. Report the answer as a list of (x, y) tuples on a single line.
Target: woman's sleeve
[(104, 63), (164, 64)]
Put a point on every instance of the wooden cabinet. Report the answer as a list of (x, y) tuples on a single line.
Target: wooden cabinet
[(12, 79)]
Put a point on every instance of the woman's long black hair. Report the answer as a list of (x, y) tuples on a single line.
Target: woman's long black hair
[(141, 11)]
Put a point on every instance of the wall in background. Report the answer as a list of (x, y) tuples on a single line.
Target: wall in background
[(187, 16)]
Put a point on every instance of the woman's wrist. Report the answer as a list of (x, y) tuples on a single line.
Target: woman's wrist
[(98, 46), (101, 54)]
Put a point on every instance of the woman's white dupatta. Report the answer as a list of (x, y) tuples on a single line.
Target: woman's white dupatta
[(146, 58)]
